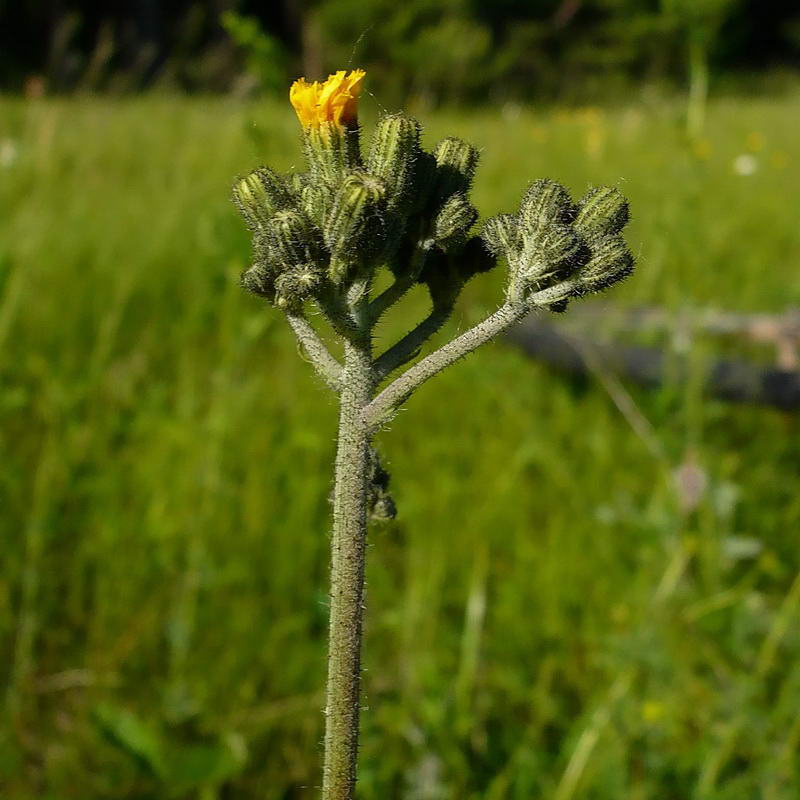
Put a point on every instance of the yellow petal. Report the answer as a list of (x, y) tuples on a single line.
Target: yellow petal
[(335, 100)]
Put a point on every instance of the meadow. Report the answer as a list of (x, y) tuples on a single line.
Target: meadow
[(545, 618)]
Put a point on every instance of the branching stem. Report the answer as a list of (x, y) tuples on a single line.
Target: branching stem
[(387, 402), (407, 347), (328, 368)]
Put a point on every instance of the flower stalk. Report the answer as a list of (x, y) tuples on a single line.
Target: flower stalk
[(320, 238)]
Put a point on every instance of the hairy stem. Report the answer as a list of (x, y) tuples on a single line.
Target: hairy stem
[(329, 369), (396, 290), (407, 347), (348, 551), (387, 402)]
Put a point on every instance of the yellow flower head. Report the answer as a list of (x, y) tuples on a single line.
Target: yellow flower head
[(334, 100)]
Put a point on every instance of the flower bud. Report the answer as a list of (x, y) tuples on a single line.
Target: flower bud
[(383, 508), (259, 195), (453, 222), (355, 229), (291, 239), (544, 203), (259, 280), (501, 235), (455, 166), (554, 252), (393, 155), (611, 261), (296, 285), (316, 200), (601, 212)]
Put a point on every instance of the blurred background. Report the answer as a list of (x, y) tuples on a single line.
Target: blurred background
[(592, 588)]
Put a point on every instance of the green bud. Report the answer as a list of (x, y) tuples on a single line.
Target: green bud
[(610, 262), (383, 509), (393, 155), (551, 253), (291, 239), (296, 182), (601, 212), (501, 235), (355, 231), (453, 222), (455, 166), (545, 202), (331, 150), (316, 200), (259, 280), (296, 285), (259, 195)]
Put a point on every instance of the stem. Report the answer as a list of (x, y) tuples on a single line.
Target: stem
[(698, 84), (326, 365), (407, 347), (386, 403), (348, 551)]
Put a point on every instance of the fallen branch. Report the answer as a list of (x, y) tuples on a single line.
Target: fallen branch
[(736, 381)]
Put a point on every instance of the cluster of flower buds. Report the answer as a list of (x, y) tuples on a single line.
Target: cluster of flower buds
[(398, 206), (552, 242), (347, 215)]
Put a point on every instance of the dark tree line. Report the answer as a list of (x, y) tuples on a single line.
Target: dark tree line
[(444, 49)]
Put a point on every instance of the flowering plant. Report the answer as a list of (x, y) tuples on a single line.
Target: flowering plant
[(321, 237)]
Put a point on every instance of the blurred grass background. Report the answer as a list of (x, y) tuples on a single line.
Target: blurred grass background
[(543, 618)]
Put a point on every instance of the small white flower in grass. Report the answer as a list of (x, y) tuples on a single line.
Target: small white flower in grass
[(745, 164)]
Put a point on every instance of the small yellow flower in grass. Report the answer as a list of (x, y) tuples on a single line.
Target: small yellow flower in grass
[(653, 711), (334, 100)]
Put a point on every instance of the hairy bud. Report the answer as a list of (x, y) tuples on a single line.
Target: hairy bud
[(259, 280), (296, 285), (355, 230), (331, 150), (291, 239), (545, 203), (316, 200), (501, 235), (553, 252), (393, 155), (611, 261), (456, 161), (453, 222), (602, 211), (259, 195)]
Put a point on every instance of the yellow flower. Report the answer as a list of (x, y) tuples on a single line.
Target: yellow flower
[(334, 100)]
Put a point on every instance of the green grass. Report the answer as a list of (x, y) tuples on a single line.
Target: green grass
[(543, 621)]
